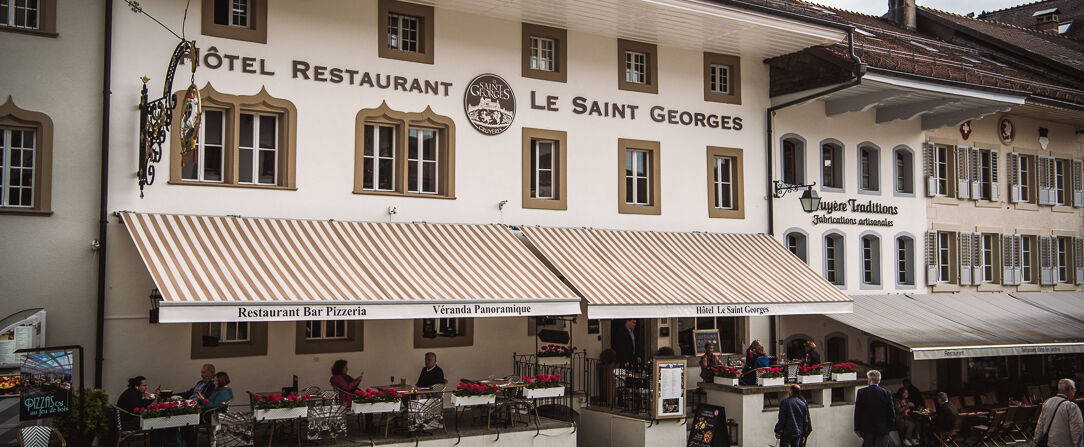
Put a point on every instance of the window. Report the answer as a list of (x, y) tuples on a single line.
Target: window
[(986, 180), (443, 332), (544, 52), (868, 169), (728, 328), (796, 243), (905, 261), (325, 330), (722, 78), (410, 154), (1060, 185), (725, 183), (987, 258), (1029, 256), (26, 147), (231, 332), (1027, 179), (544, 164), (542, 157), (407, 32), (905, 172), (28, 16), (228, 339), (793, 160), (639, 186), (871, 260), (945, 251), (836, 349), (833, 259), (245, 141), (832, 165), (942, 170), (1062, 252), (317, 337), (236, 19), (637, 62)]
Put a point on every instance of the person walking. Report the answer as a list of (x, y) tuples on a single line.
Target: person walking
[(793, 426), (874, 414), (1060, 421)]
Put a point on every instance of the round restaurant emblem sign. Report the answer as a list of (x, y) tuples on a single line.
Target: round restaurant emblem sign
[(1006, 130), (490, 104)]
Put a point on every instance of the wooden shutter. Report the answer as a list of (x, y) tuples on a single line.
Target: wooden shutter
[(929, 168), (963, 172), (1018, 259), (932, 270), (1013, 171), (978, 274), (1078, 183), (1046, 179), (995, 190), (976, 182), (1008, 260), (1046, 260), (963, 240), (1078, 259)]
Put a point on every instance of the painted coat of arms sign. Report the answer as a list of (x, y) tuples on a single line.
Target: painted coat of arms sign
[(490, 104)]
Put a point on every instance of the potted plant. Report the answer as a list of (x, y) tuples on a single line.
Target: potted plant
[(555, 354), (543, 385), (842, 372), (275, 406), (376, 401), (768, 376), (725, 375), (168, 414), (811, 374), (474, 394), (87, 419)]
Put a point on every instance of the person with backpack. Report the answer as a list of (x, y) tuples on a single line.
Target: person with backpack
[(1060, 423)]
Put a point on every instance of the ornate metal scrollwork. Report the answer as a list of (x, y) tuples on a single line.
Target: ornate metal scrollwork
[(156, 117)]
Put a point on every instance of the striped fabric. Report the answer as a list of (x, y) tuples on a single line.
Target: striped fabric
[(35, 436), (206, 259), (612, 267)]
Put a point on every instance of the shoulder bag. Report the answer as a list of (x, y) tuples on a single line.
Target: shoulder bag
[(1044, 440)]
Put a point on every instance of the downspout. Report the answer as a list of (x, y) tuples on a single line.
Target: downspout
[(859, 70), (103, 200)]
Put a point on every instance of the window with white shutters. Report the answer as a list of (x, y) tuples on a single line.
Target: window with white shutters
[(1046, 180), (963, 172), (1078, 183), (1046, 260), (975, 166), (1063, 252), (1029, 257), (977, 274), (965, 252), (1078, 259), (988, 257), (1010, 259), (933, 271)]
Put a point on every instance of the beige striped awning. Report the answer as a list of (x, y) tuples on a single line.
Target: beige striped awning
[(249, 269), (648, 274)]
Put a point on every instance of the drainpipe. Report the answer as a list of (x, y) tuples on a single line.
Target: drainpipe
[(859, 70), (103, 201)]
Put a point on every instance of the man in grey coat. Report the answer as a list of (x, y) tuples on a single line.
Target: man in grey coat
[(1062, 415)]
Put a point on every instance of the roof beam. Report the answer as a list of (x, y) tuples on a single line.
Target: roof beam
[(912, 110), (860, 103), (938, 120)]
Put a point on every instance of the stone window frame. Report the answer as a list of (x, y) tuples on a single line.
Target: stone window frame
[(233, 106), (560, 181), (803, 238), (875, 169), (911, 265), (354, 341), (425, 14), (403, 121), (839, 155), (654, 149), (737, 182), (256, 31), (910, 177), (840, 257), (876, 258), (255, 346), (46, 21), (12, 115), (800, 157), (734, 64), (465, 340), (652, 52), (560, 47)]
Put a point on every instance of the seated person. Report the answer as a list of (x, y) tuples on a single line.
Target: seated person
[(905, 424), (204, 386), (812, 357), (220, 398), (759, 360), (945, 418), (914, 394), (431, 374), (342, 381), (708, 363), (136, 396)]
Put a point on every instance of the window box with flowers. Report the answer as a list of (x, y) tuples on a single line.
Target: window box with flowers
[(770, 376), (468, 394), (725, 375), (543, 386), (275, 406), (842, 372), (376, 401), (168, 414), (810, 374), (555, 354)]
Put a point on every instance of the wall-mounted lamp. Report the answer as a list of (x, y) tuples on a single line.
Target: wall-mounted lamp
[(156, 301), (810, 200)]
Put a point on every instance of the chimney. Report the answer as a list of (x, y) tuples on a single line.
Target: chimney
[(902, 13), (1046, 21)]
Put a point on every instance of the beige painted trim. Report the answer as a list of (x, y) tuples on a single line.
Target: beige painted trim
[(403, 121), (945, 227), (444, 342), (1024, 206), (1028, 288), (945, 200), (1063, 233), (233, 106), (737, 182), (425, 53), (560, 39), (560, 200), (655, 151), (1027, 231), (988, 204), (14, 116), (945, 141), (991, 287), (354, 341), (735, 78), (989, 230), (257, 27), (46, 21), (940, 288), (257, 344), (1062, 209), (1064, 287), (987, 146), (652, 52)]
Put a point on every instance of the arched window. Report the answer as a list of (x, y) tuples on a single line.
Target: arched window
[(871, 260), (835, 349), (794, 346), (796, 242), (832, 165), (905, 261), (904, 169), (26, 160), (868, 168), (833, 259), (793, 160)]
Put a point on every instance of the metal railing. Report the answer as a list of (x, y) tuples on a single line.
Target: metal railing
[(571, 375)]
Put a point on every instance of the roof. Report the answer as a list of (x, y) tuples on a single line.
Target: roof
[(1024, 15)]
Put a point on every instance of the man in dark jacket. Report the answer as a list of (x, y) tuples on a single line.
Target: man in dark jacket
[(794, 425), (945, 418), (626, 344), (874, 415)]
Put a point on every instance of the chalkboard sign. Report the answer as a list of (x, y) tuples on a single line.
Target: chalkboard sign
[(703, 336), (709, 427)]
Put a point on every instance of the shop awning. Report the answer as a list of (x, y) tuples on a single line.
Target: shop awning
[(965, 325), (649, 274), (247, 269), (1068, 303)]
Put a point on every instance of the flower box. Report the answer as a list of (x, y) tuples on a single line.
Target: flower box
[(282, 413), (465, 401), (843, 377), (731, 381), (180, 420), (818, 378), (540, 393), (554, 360), (375, 407), (773, 381)]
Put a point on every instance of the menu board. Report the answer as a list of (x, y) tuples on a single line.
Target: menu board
[(47, 384), (669, 387), (23, 330), (709, 427), (703, 336)]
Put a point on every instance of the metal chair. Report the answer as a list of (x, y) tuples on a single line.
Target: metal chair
[(38, 436), (620, 378), (308, 391), (826, 369), (326, 422), (122, 434), (234, 430), (791, 372), (425, 415)]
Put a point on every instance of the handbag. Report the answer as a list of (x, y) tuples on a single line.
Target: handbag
[(1044, 440)]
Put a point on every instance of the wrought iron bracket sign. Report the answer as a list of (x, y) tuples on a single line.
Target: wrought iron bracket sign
[(156, 117)]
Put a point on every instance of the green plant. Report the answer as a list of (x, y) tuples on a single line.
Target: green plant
[(86, 420)]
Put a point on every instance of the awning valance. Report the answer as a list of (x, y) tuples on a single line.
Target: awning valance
[(251, 269), (965, 325), (649, 274)]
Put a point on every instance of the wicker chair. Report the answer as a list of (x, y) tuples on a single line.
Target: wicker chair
[(122, 434), (234, 429), (38, 436)]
